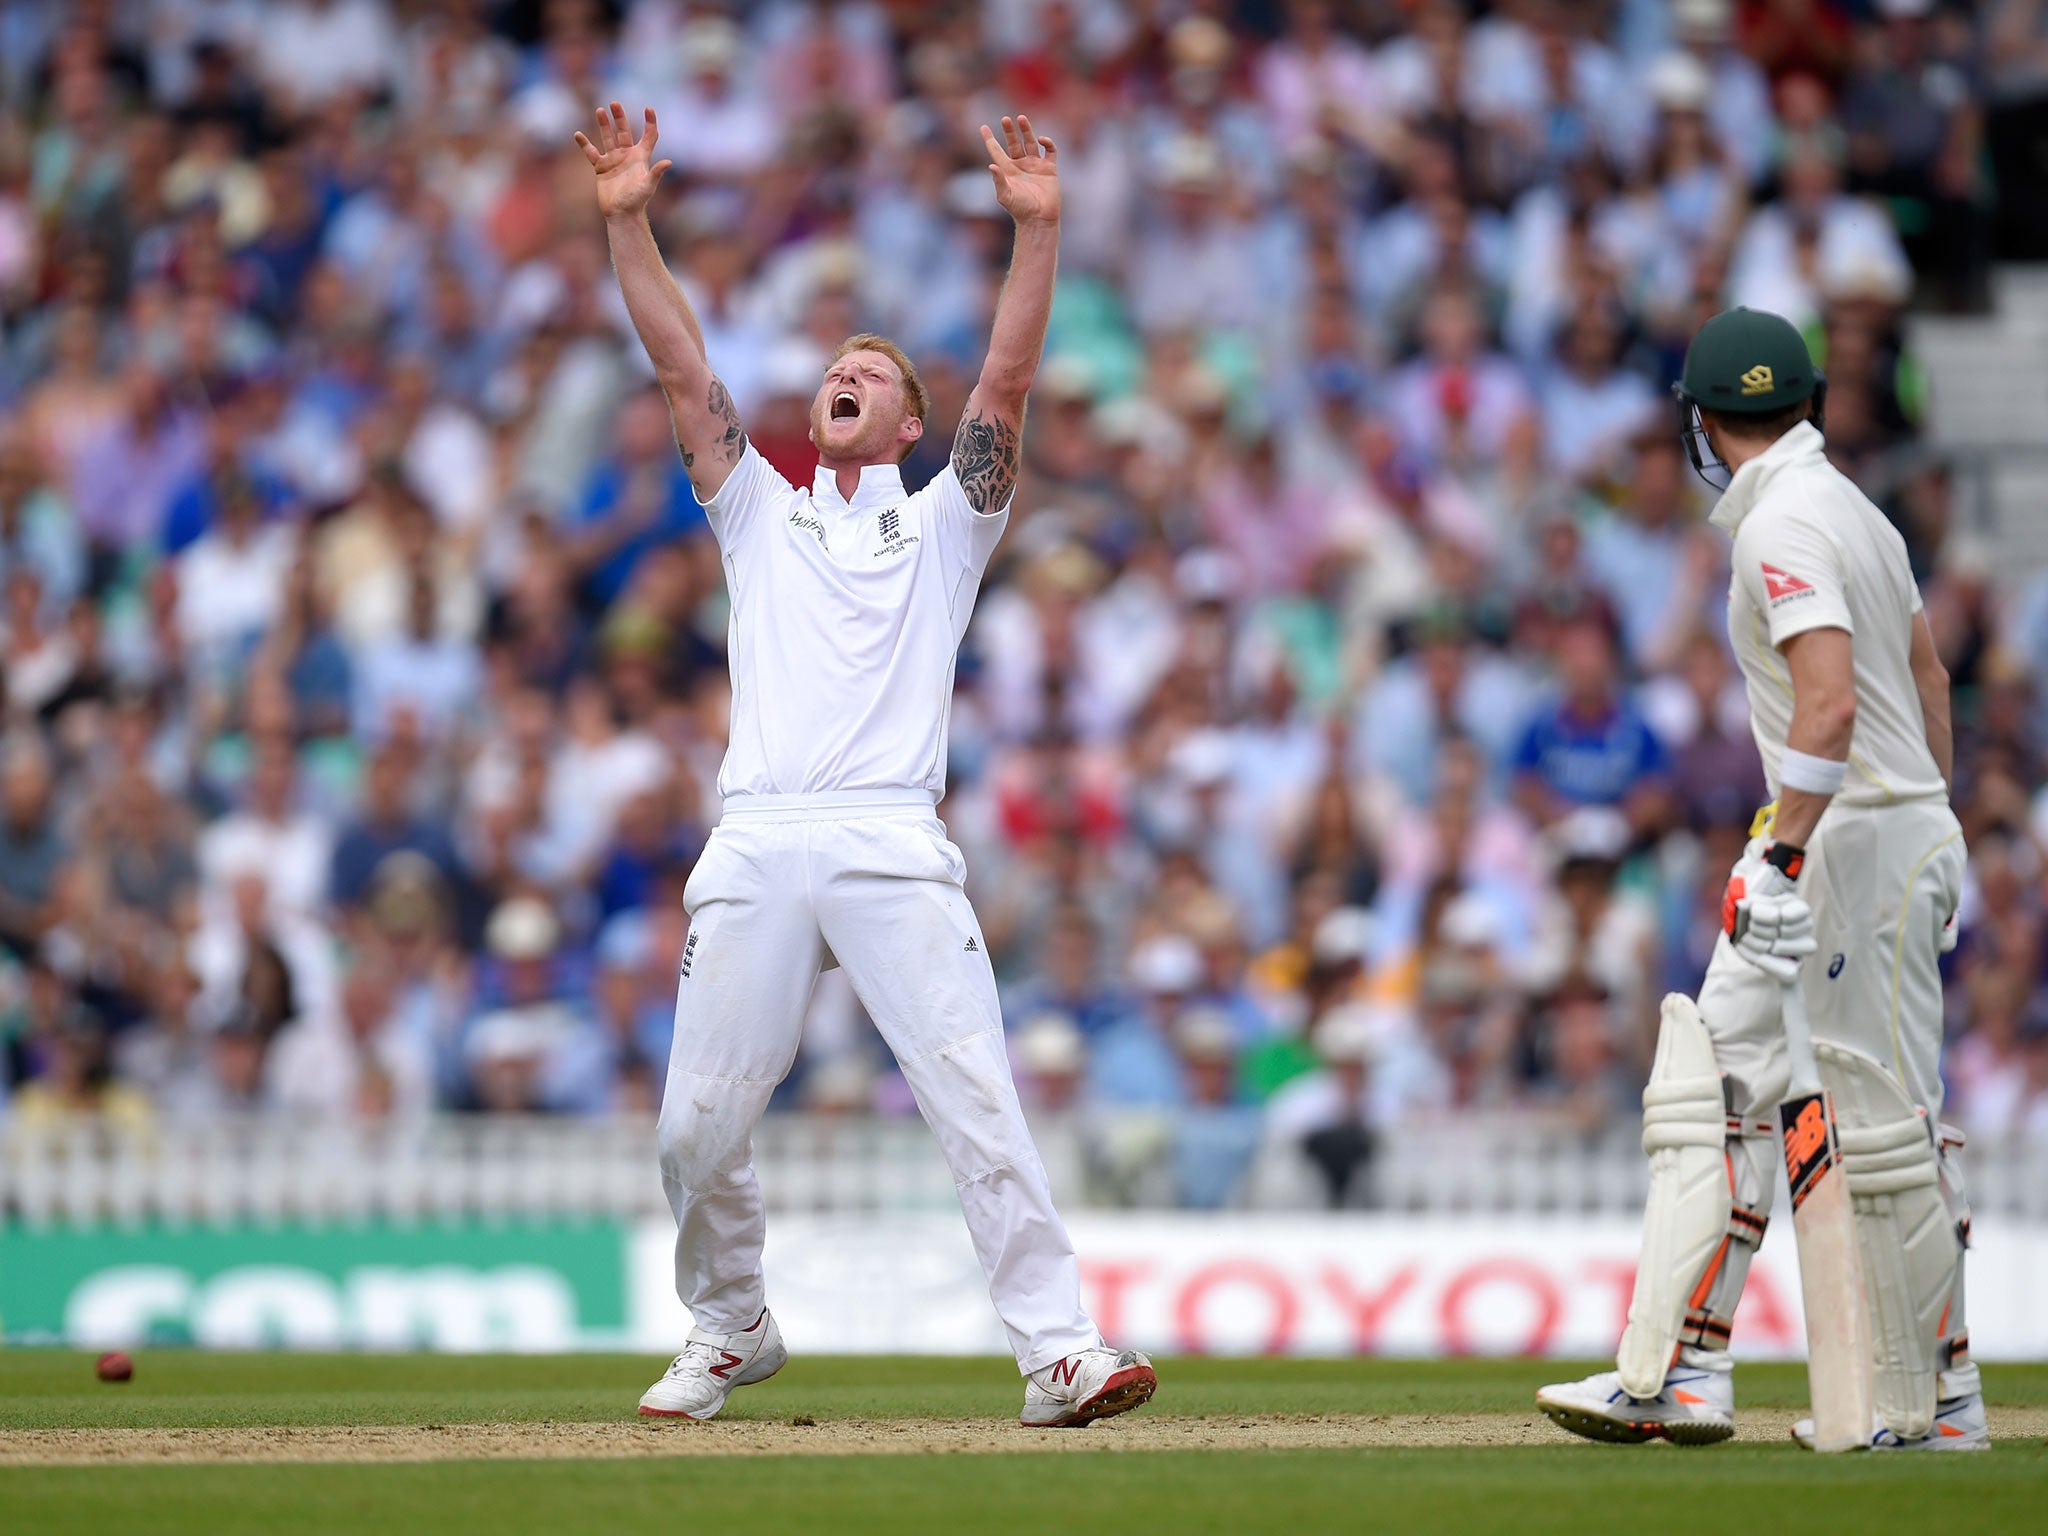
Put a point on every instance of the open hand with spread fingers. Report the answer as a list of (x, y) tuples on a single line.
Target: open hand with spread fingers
[(1027, 171), (627, 172)]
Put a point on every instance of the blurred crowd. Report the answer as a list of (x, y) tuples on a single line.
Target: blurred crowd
[(1347, 732)]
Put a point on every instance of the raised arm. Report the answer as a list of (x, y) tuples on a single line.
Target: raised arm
[(1026, 171), (707, 425)]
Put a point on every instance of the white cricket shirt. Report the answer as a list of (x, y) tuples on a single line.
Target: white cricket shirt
[(846, 620), (1811, 552)]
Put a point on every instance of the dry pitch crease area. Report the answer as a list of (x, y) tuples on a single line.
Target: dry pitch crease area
[(265, 1442)]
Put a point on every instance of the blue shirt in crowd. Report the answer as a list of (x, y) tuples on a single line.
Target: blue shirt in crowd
[(680, 516), (1590, 759)]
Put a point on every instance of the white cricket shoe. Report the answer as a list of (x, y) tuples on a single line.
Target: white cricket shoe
[(1694, 1407), (1095, 1384), (697, 1381), (1959, 1425)]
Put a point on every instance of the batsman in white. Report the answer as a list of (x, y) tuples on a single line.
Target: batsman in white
[(849, 598), (1859, 864)]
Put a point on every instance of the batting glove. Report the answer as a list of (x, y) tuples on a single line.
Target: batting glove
[(1762, 912), (1951, 931)]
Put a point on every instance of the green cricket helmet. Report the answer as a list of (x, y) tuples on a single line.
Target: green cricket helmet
[(1743, 362)]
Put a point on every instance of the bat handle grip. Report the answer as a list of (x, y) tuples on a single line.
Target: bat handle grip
[(1799, 1039)]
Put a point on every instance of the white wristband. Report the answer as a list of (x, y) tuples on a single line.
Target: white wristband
[(1809, 774)]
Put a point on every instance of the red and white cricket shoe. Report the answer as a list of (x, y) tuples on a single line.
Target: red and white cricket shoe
[(1095, 1384), (698, 1380)]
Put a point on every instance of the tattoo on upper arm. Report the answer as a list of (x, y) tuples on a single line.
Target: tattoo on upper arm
[(985, 459), (731, 440)]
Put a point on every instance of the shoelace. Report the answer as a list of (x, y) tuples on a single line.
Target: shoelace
[(694, 1350)]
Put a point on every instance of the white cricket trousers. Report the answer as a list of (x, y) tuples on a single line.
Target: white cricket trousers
[(1882, 881), (868, 878)]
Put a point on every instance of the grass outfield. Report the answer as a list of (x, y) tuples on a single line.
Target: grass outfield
[(1554, 1484)]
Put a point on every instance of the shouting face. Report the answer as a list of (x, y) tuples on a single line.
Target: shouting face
[(862, 414)]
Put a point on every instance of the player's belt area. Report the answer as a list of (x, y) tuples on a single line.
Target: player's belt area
[(831, 805), (1766, 818)]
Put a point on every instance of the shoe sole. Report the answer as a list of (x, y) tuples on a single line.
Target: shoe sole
[(1945, 1448), (1588, 1425), (1950, 1448), (700, 1418), (1131, 1387)]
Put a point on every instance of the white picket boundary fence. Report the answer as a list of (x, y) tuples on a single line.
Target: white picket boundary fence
[(279, 1170)]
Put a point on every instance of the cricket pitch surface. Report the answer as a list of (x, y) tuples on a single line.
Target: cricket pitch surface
[(224, 1443)]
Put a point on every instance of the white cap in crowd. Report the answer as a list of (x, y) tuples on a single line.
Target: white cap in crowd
[(522, 929), (1049, 1045), (1167, 964), (1344, 935)]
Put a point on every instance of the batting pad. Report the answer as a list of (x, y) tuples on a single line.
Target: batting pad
[(1685, 1219), (1907, 1239)]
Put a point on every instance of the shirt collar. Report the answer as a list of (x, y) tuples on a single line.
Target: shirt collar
[(1798, 448), (880, 484)]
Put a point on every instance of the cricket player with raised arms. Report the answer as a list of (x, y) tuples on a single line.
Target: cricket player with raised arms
[(849, 599), (1859, 864)]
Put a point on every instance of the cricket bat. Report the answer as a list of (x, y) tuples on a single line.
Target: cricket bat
[(1838, 1346)]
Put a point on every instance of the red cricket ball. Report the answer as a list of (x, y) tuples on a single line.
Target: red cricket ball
[(115, 1366)]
